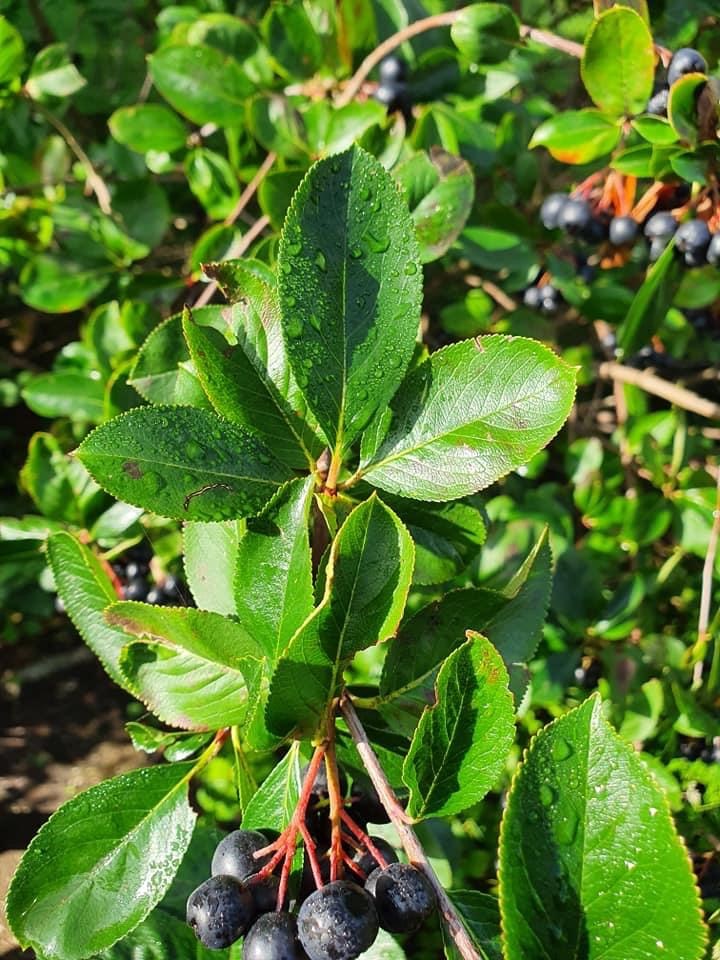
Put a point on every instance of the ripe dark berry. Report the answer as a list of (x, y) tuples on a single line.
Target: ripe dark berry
[(392, 70), (660, 226), (713, 251), (134, 569), (155, 597), (234, 854), (575, 217), (171, 587), (337, 922), (264, 894), (596, 230), (685, 60), (403, 897), (395, 97), (367, 862), (550, 209), (220, 911), (137, 589), (532, 298), (320, 787), (550, 299), (273, 936), (365, 805), (692, 240), (658, 103), (623, 231)]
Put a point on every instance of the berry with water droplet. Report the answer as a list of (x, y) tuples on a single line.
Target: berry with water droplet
[(338, 922), (404, 897), (220, 911)]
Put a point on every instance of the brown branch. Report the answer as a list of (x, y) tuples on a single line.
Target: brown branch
[(236, 249), (707, 580), (94, 180), (408, 838), (680, 396), (432, 23), (249, 191)]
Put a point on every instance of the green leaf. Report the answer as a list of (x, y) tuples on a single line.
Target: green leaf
[(655, 130), (275, 193), (274, 803), (202, 83), (243, 394), (209, 555), (53, 480), (86, 591), (486, 32), (151, 739), (480, 913), (685, 108), (182, 463), (651, 302), (577, 136), (468, 415), (192, 668), (463, 738), (293, 41), (68, 393), (367, 581), (440, 189), (587, 834), (53, 74), (273, 580), (58, 285), (213, 181), (163, 372), (148, 126), (350, 290), (618, 65), (12, 51), (101, 863)]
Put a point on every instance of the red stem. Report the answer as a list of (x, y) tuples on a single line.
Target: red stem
[(363, 838)]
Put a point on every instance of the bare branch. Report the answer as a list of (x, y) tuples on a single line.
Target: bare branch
[(680, 396)]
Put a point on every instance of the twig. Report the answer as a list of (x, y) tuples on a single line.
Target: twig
[(94, 180), (249, 191), (707, 581), (412, 846), (680, 396), (432, 23), (236, 249)]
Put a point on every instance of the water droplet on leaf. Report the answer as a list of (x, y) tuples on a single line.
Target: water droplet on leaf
[(561, 749)]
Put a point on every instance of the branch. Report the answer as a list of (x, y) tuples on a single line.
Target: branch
[(236, 249), (680, 396), (412, 846), (432, 23), (249, 191), (707, 579), (94, 180)]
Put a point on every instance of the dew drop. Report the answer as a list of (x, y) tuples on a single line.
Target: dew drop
[(547, 795), (293, 327), (285, 266), (561, 749), (410, 268), (362, 395), (315, 322), (193, 450), (567, 828), (293, 248), (290, 301), (378, 244), (365, 192), (356, 252), (154, 482), (321, 261)]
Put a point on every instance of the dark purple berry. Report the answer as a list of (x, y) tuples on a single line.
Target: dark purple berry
[(337, 922), (692, 240), (155, 597), (134, 569), (623, 231), (713, 251), (658, 103), (274, 936), (367, 862), (234, 854), (171, 587), (320, 786), (532, 298), (596, 230), (575, 216), (136, 589), (403, 895), (395, 97), (392, 70), (264, 894), (550, 209), (365, 805), (685, 60), (660, 226), (657, 247), (220, 911)]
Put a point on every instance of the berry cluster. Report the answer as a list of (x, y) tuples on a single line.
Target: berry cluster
[(392, 91), (334, 918), (134, 579), (684, 61)]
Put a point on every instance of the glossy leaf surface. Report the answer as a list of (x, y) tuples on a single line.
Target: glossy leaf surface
[(468, 415), (618, 65), (590, 863)]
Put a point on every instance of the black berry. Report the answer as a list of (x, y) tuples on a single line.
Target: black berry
[(137, 589), (693, 240), (549, 299), (367, 862), (156, 597), (658, 103), (392, 70), (264, 894), (660, 226), (532, 298), (403, 897), (273, 936), (575, 217), (320, 786), (685, 60), (713, 251), (365, 805), (220, 911), (550, 209), (234, 854), (623, 231), (395, 97), (338, 922)]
